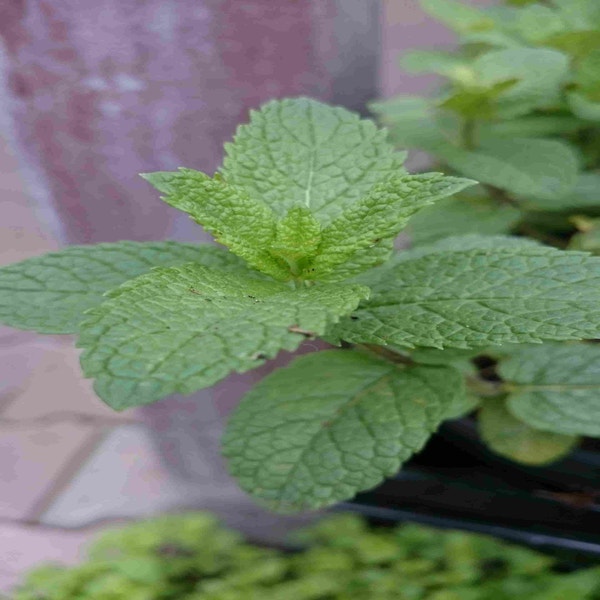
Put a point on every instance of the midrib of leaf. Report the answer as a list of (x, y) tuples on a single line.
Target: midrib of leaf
[(311, 167), (325, 425), (558, 387)]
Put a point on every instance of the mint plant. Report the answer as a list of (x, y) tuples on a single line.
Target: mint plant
[(519, 111), (309, 201)]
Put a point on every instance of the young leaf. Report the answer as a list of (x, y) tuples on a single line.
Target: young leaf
[(583, 107), (462, 215), (468, 298), (555, 387), (514, 439), (299, 446), (536, 23), (50, 293), (545, 169), (579, 14), (458, 16), (584, 195), (432, 61), (381, 214), (246, 225), (297, 238), (183, 328), (540, 73), (300, 152)]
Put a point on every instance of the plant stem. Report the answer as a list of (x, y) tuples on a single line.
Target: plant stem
[(387, 353), (468, 134), (485, 388)]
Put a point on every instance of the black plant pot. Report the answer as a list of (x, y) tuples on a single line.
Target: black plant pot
[(456, 482)]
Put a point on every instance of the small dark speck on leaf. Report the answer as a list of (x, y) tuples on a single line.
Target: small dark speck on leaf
[(354, 317), (195, 291)]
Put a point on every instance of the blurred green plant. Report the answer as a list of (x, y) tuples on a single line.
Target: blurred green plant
[(191, 557), (518, 110)]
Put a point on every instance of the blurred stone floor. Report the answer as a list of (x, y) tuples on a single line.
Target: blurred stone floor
[(67, 462)]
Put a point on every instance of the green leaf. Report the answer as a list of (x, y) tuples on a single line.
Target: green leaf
[(588, 240), (50, 293), (462, 215), (458, 16), (432, 61), (297, 239), (545, 169), (413, 121), (579, 14), (587, 74), (478, 102), (537, 22), (333, 424), (577, 44), (585, 195), (540, 74), (184, 328), (530, 127), (583, 107), (247, 226), (456, 243), (555, 387), (300, 152), (516, 440), (382, 214), (459, 359), (517, 293)]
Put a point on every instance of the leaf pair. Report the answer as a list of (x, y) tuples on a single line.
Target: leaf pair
[(307, 192), (553, 399)]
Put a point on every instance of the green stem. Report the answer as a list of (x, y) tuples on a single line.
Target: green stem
[(387, 353), (488, 389), (469, 134)]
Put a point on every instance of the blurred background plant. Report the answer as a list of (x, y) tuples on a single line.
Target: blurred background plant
[(518, 110), (192, 557)]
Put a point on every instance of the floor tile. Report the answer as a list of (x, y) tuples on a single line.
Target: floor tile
[(33, 460), (49, 381), (23, 548)]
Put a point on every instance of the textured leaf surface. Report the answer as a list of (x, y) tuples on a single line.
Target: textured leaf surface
[(523, 166), (50, 293), (244, 224), (469, 298), (539, 74), (514, 439), (300, 152), (183, 328), (583, 107), (556, 387), (458, 15), (462, 215), (298, 236), (332, 424), (382, 214), (585, 194)]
